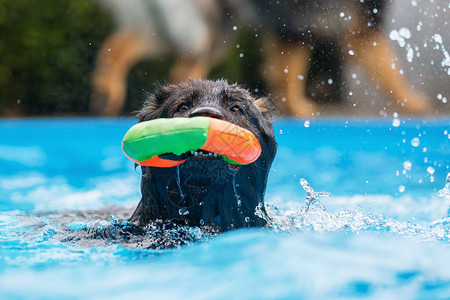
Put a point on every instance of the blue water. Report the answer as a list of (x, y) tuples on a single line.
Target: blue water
[(65, 187)]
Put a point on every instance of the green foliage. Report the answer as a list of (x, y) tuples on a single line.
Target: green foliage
[(47, 54)]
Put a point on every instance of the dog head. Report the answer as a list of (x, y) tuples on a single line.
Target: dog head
[(206, 190)]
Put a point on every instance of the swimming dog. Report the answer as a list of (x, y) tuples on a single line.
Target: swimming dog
[(206, 190)]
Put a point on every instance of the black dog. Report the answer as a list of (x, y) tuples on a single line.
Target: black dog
[(206, 190)]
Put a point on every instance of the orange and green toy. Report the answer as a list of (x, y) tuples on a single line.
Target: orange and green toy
[(146, 141)]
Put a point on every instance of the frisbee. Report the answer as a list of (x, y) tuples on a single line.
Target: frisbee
[(146, 141)]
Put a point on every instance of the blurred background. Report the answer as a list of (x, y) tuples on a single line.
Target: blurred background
[(64, 58)]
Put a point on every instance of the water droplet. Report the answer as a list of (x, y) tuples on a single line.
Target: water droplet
[(410, 55), (396, 122), (430, 170), (234, 27), (401, 188), (404, 32), (437, 38), (351, 52), (415, 142), (281, 131), (247, 219), (393, 35), (183, 211), (306, 124), (407, 165)]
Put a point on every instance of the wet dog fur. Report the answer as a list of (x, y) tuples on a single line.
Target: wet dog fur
[(207, 190)]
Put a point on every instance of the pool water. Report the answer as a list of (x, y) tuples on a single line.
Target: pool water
[(66, 190)]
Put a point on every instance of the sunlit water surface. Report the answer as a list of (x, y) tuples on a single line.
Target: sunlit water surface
[(66, 190)]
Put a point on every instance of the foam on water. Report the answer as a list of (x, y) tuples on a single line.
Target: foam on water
[(41, 191), (27, 156), (313, 216), (253, 264), (445, 192), (369, 255), (108, 226)]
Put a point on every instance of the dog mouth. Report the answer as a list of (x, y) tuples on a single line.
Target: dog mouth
[(202, 155)]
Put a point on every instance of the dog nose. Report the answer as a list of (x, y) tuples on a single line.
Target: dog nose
[(211, 112)]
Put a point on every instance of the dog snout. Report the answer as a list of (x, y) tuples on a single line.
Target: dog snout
[(211, 112)]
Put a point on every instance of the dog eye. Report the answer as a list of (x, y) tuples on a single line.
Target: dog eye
[(182, 107), (236, 110)]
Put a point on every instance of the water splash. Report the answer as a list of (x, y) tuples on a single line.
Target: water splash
[(313, 216), (445, 191), (87, 229), (97, 228), (400, 36), (312, 197), (440, 45), (294, 220)]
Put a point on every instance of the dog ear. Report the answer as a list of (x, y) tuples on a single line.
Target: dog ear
[(152, 106), (265, 106)]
